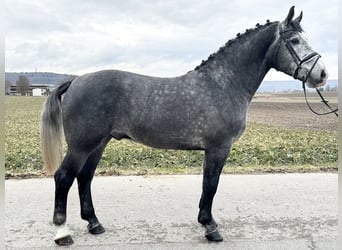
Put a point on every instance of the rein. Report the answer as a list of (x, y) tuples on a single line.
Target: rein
[(299, 63), (322, 100)]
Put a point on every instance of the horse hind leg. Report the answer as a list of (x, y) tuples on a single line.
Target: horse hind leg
[(84, 179), (64, 177), (213, 164)]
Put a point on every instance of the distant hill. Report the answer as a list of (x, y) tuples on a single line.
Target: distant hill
[(38, 78), (288, 86), (55, 79)]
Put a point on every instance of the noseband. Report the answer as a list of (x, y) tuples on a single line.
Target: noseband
[(299, 62)]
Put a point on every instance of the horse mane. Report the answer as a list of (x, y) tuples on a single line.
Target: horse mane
[(238, 37)]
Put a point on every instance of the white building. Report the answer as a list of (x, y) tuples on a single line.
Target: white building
[(37, 92)]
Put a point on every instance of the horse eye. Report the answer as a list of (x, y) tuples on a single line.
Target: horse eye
[(294, 41)]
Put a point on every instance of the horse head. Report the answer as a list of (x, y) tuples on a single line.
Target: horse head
[(293, 55)]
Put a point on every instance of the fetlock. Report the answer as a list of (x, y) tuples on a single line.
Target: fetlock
[(59, 218), (204, 217)]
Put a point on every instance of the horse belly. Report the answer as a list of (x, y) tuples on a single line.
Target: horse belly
[(167, 139)]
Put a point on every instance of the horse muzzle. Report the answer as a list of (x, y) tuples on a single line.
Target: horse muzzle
[(313, 73)]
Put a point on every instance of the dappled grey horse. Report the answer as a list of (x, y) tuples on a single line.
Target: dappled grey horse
[(204, 109)]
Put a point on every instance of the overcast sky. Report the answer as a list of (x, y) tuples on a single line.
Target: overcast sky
[(160, 37)]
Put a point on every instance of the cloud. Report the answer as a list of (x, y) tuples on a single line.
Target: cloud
[(26, 18), (161, 38)]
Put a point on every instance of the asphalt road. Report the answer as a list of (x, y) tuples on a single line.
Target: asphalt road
[(278, 211)]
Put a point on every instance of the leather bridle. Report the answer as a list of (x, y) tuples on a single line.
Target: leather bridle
[(296, 58), (299, 62)]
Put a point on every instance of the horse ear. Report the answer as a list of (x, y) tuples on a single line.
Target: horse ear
[(289, 16), (299, 18)]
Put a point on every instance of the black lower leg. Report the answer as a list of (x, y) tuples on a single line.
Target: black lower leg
[(213, 164), (87, 208), (64, 177), (84, 180), (63, 182)]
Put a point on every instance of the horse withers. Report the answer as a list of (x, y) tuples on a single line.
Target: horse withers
[(204, 109)]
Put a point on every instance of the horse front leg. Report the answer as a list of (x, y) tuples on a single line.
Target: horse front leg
[(213, 164)]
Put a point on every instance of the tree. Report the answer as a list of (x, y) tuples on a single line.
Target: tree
[(7, 87), (334, 89), (22, 85)]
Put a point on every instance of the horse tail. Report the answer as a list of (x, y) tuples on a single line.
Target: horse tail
[(51, 129)]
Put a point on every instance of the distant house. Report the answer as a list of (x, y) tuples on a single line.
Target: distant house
[(37, 92), (33, 90)]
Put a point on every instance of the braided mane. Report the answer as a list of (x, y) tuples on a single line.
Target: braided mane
[(230, 42)]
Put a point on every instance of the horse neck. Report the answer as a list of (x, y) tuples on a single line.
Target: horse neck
[(243, 62)]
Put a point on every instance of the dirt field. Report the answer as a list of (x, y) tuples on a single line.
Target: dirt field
[(291, 111)]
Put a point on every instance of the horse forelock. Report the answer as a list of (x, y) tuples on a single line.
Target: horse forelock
[(293, 26), (296, 26)]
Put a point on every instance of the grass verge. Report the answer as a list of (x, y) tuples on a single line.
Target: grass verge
[(261, 149)]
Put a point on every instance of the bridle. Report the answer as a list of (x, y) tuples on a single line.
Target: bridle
[(296, 58), (299, 62)]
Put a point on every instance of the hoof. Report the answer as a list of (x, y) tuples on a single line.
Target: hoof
[(211, 232), (96, 228), (65, 241), (214, 236), (63, 236)]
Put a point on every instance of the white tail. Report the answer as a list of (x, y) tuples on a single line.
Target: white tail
[(51, 129)]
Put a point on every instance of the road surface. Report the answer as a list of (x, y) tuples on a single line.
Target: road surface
[(278, 211)]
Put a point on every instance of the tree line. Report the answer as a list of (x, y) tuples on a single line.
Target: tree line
[(23, 85)]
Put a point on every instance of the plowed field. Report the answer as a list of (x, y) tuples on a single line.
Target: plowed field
[(291, 111)]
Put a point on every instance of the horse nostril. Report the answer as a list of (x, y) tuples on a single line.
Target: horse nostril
[(323, 74)]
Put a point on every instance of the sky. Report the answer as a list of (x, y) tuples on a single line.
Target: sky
[(152, 37)]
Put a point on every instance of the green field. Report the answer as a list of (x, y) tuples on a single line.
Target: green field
[(262, 148)]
